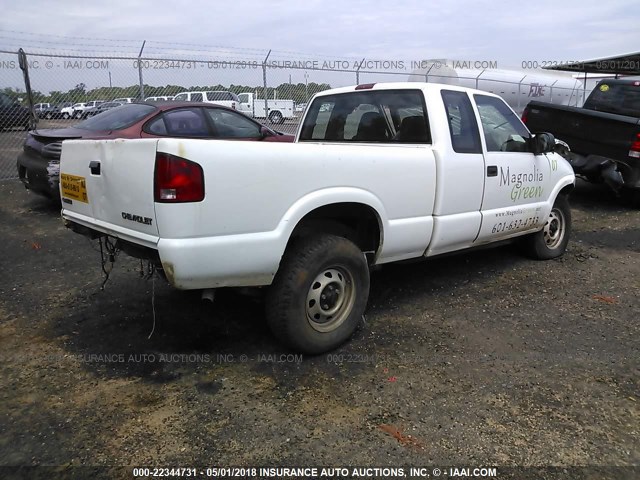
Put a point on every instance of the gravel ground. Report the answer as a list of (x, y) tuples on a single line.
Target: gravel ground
[(484, 358)]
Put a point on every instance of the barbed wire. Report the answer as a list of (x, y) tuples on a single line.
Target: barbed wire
[(150, 44)]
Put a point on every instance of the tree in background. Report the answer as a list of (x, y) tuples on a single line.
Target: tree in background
[(287, 91)]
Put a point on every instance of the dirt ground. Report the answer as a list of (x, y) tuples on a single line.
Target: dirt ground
[(485, 358)]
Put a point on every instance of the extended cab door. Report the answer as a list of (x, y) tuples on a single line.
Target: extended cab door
[(517, 182), (460, 174)]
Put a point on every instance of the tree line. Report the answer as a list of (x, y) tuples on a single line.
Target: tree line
[(298, 92)]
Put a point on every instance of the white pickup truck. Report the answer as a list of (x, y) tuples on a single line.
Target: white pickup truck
[(278, 110), (378, 173)]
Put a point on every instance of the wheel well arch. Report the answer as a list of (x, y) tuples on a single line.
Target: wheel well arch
[(567, 189), (357, 222)]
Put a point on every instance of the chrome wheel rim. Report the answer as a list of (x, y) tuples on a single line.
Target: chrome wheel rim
[(554, 229), (330, 299)]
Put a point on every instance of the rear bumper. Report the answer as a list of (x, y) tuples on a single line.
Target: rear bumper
[(40, 174), (196, 263), (615, 173)]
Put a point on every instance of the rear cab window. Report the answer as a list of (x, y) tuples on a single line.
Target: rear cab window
[(620, 98), (374, 116), (463, 126)]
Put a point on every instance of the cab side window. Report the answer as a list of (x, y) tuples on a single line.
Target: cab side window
[(232, 125), (503, 130), (180, 123), (368, 116), (463, 127)]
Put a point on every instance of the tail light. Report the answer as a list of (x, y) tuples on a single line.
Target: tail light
[(177, 180), (635, 147), (525, 114)]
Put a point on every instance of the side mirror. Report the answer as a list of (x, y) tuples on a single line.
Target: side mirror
[(265, 132), (543, 143)]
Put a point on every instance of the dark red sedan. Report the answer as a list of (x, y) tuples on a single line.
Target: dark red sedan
[(39, 163)]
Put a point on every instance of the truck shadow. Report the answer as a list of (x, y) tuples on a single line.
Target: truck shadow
[(590, 196), (113, 334)]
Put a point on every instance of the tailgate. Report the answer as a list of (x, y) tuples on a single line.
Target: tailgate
[(108, 185)]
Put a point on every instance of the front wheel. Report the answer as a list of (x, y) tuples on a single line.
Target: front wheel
[(319, 293), (552, 240)]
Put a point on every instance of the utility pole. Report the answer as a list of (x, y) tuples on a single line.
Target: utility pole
[(264, 81), (140, 71)]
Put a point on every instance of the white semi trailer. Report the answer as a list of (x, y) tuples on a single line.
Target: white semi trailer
[(517, 87)]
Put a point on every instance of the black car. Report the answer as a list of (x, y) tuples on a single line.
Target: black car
[(12, 114)]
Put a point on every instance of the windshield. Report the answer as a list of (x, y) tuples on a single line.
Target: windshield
[(118, 118)]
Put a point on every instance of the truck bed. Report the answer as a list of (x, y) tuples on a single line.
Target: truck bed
[(586, 131)]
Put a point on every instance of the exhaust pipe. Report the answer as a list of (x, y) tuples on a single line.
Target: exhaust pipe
[(208, 295)]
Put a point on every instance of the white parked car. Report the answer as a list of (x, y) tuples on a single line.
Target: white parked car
[(162, 98), (74, 111), (124, 100), (92, 104)]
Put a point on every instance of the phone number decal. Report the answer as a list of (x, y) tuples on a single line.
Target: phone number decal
[(514, 225)]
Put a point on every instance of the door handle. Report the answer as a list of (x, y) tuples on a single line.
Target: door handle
[(492, 171), (94, 165)]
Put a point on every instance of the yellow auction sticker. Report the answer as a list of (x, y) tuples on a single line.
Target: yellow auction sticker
[(74, 187), (604, 88)]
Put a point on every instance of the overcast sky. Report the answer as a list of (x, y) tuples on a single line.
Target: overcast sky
[(506, 32)]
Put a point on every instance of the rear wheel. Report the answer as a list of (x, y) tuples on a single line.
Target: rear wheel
[(78, 114), (319, 293), (276, 117), (66, 116), (552, 240)]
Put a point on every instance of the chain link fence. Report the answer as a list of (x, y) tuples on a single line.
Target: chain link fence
[(65, 86)]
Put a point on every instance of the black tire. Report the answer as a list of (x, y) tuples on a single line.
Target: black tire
[(66, 116), (552, 240), (276, 117), (330, 269), (78, 114)]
